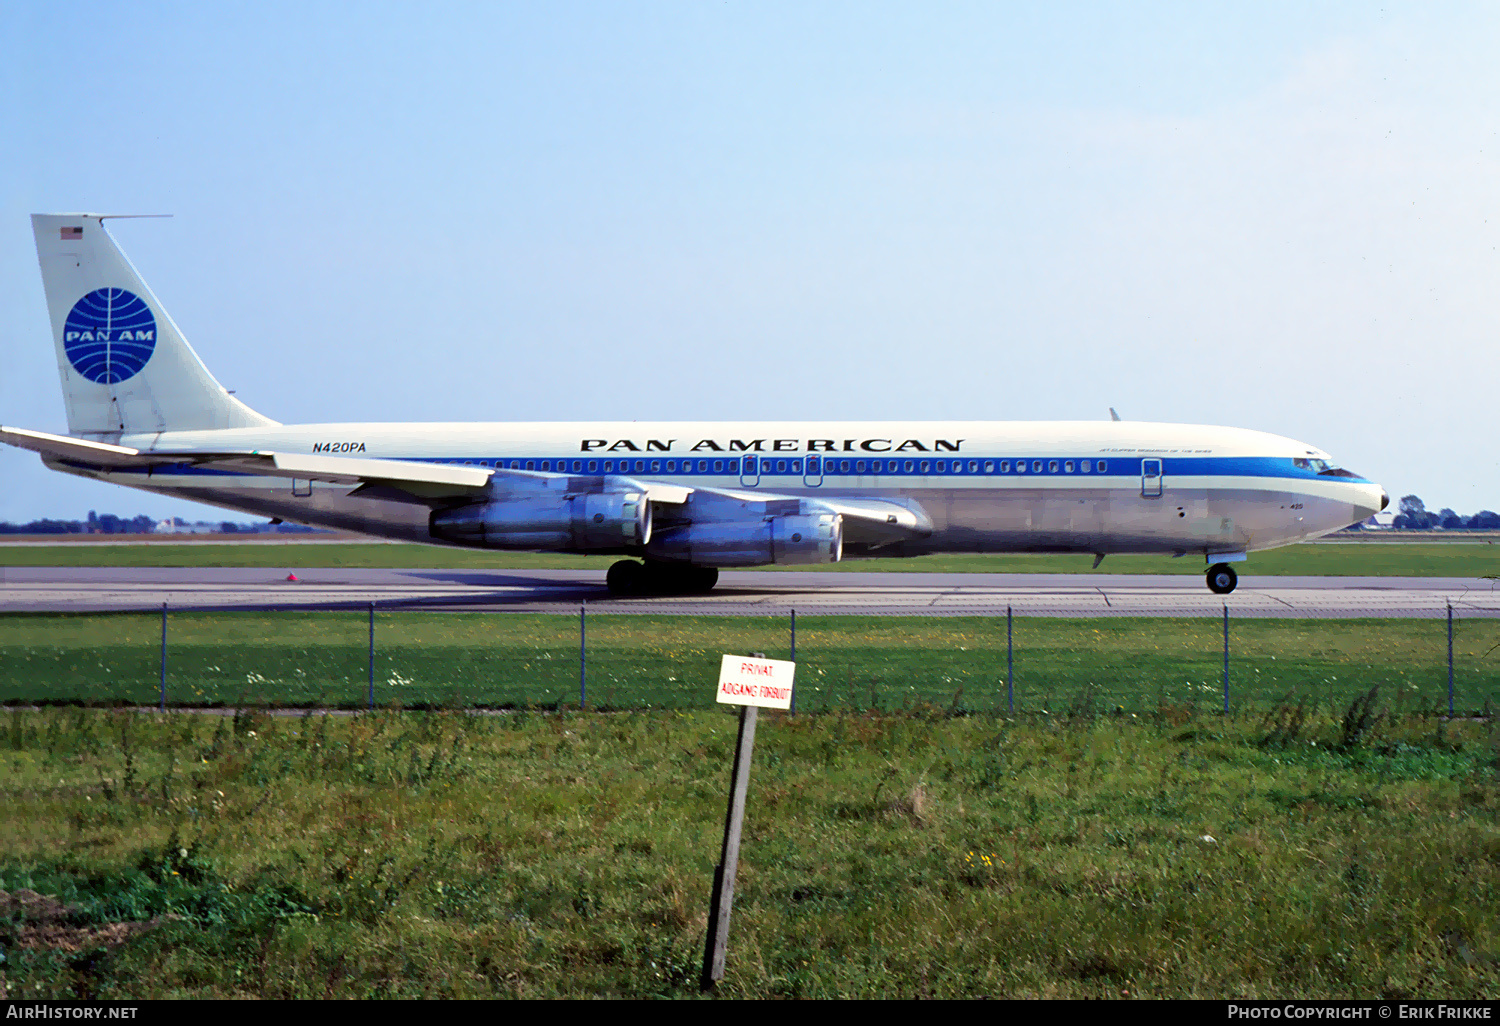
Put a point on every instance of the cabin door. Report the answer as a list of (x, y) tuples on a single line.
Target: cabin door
[(1151, 479), (812, 476), (750, 471)]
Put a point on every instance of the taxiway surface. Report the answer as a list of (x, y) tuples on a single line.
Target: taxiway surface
[(90, 589)]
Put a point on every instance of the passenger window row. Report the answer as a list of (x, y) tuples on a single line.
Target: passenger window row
[(815, 466)]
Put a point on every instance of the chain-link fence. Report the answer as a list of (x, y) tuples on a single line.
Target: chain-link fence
[(1025, 660)]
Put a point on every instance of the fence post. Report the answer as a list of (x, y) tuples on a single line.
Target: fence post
[(583, 655), (1010, 666), (721, 902), (371, 701), (793, 710), (1226, 658), (162, 702), (1450, 659)]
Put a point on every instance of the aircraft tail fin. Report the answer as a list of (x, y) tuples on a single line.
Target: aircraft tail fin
[(125, 367)]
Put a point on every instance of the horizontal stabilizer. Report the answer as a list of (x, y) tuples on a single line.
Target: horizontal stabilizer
[(427, 481), (337, 469), (77, 449)]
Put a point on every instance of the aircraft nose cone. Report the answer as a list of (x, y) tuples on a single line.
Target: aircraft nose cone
[(1385, 498)]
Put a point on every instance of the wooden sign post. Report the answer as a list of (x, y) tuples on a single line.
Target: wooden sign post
[(749, 682)]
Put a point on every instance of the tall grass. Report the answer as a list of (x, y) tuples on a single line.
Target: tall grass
[(1169, 853)]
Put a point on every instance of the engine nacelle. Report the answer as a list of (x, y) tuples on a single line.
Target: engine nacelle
[(593, 521), (612, 519), (815, 538)]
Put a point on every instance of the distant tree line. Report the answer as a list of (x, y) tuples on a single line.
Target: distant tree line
[(108, 523), (1413, 515), (95, 524)]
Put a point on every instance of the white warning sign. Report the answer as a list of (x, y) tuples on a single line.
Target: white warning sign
[(763, 682)]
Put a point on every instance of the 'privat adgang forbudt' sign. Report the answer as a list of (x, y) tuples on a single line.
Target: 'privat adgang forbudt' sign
[(763, 682)]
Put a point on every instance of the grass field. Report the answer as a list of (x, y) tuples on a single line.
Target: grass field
[(1450, 559), (455, 660), (1289, 853)]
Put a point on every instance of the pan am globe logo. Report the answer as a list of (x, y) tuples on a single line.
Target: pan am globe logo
[(109, 335)]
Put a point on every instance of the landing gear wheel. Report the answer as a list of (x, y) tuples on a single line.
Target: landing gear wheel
[(627, 577), (678, 579), (703, 578), (1222, 578)]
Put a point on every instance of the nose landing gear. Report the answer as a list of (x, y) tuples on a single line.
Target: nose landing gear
[(1222, 578)]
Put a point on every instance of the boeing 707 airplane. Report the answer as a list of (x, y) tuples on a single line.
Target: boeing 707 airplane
[(677, 500)]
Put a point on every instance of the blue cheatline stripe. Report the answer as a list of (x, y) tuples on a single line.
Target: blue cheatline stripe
[(1118, 467)]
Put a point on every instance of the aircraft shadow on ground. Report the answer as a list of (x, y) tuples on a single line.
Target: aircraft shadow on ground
[(553, 589), (507, 579)]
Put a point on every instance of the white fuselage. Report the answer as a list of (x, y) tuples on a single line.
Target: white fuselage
[(1101, 487)]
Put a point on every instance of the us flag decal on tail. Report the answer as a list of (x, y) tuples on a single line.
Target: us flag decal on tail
[(72, 233)]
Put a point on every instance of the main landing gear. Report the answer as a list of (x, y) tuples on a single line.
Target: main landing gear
[(627, 577), (1222, 578)]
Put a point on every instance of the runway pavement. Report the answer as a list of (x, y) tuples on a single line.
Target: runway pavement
[(87, 589)]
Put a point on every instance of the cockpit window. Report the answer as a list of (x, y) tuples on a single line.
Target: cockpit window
[(1322, 468)]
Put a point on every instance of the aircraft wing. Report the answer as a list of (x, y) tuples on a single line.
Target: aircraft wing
[(439, 482), (876, 522), (867, 521)]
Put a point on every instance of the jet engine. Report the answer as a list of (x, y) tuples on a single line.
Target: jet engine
[(593, 522), (815, 538)]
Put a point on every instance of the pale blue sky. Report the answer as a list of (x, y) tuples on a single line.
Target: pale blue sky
[(1281, 217)]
